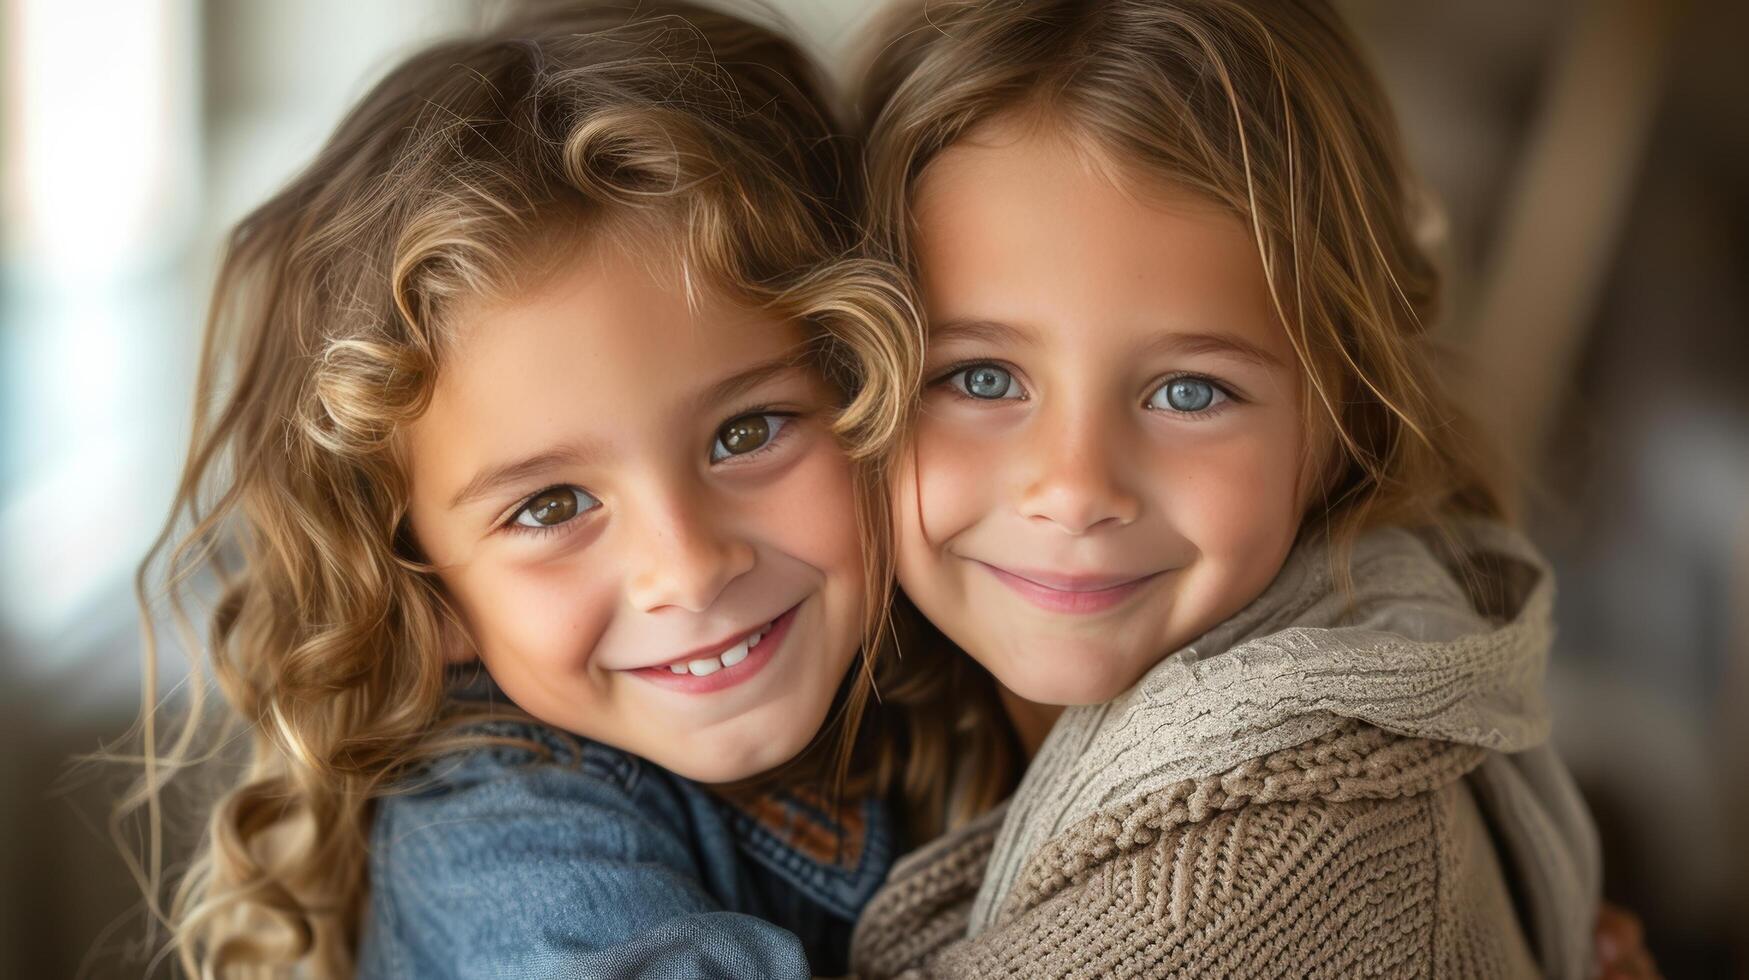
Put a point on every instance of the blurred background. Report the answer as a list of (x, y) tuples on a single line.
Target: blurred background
[(1592, 157)]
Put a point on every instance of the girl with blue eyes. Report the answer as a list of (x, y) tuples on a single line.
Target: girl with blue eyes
[(1185, 394), (1184, 483), (539, 471)]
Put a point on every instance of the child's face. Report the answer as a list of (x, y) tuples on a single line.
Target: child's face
[(1109, 458), (619, 492)]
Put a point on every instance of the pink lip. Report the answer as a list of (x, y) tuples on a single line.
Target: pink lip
[(758, 656), (1069, 593), (708, 650)]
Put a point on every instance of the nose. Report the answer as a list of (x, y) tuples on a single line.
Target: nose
[(684, 556), (1073, 476)]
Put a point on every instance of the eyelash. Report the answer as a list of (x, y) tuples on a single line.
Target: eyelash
[(783, 432), (509, 523), (943, 378), (1215, 409)]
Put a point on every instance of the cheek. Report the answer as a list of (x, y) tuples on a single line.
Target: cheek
[(949, 482), (1236, 498), (547, 616), (811, 515)]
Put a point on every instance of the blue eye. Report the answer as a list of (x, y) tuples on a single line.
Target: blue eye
[(553, 507), (986, 382), (1186, 395), (746, 435)]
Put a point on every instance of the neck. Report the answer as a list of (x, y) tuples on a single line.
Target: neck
[(1032, 721)]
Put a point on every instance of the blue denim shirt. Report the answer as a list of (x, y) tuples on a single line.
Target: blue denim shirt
[(501, 862)]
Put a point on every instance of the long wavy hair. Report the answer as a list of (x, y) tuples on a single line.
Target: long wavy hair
[(1269, 111), (326, 333)]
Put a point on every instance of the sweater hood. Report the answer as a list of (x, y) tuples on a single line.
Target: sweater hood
[(1441, 637)]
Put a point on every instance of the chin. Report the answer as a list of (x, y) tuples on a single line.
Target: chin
[(1057, 677), (712, 770), (754, 753)]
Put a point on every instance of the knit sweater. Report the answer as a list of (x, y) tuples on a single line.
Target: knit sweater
[(1317, 787)]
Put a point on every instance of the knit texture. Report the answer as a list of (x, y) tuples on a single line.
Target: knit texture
[(1408, 650), (928, 895), (1359, 853), (1439, 649)]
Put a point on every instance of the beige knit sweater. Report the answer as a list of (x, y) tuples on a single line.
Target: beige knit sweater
[(1315, 788)]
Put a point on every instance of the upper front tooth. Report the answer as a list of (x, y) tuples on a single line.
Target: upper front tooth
[(677, 668), (736, 653), (703, 666)]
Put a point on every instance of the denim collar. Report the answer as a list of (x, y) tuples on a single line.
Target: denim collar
[(836, 855)]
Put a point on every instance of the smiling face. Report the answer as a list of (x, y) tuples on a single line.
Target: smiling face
[(643, 517), (1109, 460)]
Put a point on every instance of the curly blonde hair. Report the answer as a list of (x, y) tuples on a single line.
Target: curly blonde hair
[(326, 334)]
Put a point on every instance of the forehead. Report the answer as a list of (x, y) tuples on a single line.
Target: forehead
[(620, 307), (1023, 224), (608, 340)]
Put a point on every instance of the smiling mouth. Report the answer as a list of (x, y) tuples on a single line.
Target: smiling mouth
[(727, 665), (707, 664), (1069, 593)]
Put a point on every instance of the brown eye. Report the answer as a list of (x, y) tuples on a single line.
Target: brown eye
[(550, 508), (746, 434)]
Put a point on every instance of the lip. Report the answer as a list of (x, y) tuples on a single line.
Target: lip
[(713, 649), (758, 656), (1056, 592)]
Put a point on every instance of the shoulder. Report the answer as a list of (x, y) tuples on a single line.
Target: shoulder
[(513, 789), (520, 814), (1355, 762), (1326, 886), (1356, 852), (1373, 863), (529, 846)]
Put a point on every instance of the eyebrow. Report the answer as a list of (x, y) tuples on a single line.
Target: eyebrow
[(492, 478), (988, 331), (741, 382), (997, 332), (1216, 343), (517, 471)]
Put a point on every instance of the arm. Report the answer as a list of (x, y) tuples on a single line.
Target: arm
[(550, 870), (1301, 889)]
